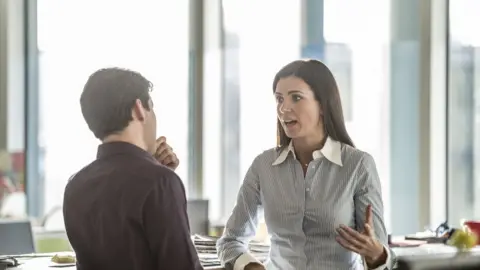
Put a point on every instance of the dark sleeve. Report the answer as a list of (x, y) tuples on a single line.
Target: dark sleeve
[(166, 225)]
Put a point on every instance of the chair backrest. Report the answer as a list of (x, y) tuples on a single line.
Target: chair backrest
[(197, 211), (16, 237)]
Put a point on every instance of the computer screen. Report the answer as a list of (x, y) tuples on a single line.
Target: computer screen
[(197, 211), (16, 237)]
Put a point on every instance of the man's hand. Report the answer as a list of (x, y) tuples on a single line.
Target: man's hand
[(165, 155), (254, 266)]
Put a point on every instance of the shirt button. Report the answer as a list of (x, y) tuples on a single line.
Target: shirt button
[(308, 189)]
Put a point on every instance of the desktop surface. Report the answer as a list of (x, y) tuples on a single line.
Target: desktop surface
[(440, 262)]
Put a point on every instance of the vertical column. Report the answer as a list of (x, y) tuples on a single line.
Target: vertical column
[(3, 74), (195, 139), (35, 185), (313, 40), (476, 133)]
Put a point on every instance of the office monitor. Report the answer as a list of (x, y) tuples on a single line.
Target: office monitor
[(197, 211), (16, 237)]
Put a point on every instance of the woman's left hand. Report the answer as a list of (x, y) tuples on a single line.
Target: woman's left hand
[(363, 243)]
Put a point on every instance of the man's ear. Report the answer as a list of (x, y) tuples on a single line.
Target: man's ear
[(138, 111)]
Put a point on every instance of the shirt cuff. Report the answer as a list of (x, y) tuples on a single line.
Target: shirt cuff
[(243, 260), (387, 265)]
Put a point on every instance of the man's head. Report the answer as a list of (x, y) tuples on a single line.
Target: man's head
[(116, 105)]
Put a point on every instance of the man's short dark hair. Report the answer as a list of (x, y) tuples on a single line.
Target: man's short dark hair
[(108, 98)]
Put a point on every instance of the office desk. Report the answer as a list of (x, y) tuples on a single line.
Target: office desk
[(43, 263)]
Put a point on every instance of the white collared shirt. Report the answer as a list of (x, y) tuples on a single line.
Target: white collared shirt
[(302, 211), (332, 150)]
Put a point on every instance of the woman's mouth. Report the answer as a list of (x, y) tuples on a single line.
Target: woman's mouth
[(290, 123)]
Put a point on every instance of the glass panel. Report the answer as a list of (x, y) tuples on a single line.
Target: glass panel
[(75, 38), (464, 111)]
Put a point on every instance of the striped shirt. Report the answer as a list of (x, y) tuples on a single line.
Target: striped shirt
[(302, 212)]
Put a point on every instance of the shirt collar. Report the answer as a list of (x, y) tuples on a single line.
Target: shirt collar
[(332, 150), (117, 147)]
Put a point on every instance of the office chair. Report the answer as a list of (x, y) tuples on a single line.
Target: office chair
[(16, 237), (197, 211)]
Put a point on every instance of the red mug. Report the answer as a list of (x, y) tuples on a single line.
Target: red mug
[(474, 227)]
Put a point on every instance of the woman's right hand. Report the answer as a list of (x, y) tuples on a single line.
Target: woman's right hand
[(254, 266)]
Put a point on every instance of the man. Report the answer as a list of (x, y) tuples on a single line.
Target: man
[(127, 209)]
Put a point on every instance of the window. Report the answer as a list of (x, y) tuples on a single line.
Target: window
[(464, 112), (75, 38), (351, 37)]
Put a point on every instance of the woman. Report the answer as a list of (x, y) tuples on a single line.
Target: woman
[(320, 195)]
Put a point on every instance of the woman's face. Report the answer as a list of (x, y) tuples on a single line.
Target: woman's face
[(297, 109)]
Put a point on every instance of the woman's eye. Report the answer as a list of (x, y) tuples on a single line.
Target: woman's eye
[(279, 99), (296, 97)]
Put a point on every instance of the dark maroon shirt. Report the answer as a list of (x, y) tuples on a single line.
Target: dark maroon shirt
[(126, 211)]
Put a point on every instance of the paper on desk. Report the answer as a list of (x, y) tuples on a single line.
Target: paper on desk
[(61, 265)]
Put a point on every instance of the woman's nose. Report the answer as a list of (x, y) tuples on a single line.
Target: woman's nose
[(284, 107)]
